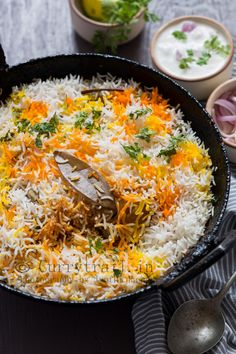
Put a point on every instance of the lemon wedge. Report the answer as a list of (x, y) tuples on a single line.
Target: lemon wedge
[(98, 9)]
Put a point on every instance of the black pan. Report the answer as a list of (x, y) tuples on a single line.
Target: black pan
[(210, 248)]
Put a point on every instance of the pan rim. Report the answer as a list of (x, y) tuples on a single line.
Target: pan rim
[(207, 244)]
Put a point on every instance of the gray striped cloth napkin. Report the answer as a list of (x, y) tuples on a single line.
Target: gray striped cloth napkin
[(152, 312)]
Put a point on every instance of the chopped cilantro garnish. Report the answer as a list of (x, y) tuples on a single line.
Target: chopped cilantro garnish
[(139, 113), (23, 125), (44, 129), (190, 52), (171, 148), (89, 124), (132, 150), (96, 114), (204, 58), (95, 244), (110, 39), (90, 245), (181, 36), (224, 50), (117, 272), (145, 134), (215, 45), (80, 119), (38, 142), (98, 244), (150, 17), (83, 119), (9, 135), (184, 62)]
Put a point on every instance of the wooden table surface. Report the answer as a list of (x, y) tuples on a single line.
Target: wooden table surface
[(38, 28)]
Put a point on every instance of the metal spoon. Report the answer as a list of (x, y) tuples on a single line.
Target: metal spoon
[(198, 325), (87, 182)]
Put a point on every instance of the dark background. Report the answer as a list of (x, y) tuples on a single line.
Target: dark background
[(38, 28)]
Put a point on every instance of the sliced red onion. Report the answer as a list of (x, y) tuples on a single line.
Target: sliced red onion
[(230, 140), (226, 104), (188, 26), (226, 95), (224, 115), (221, 111), (230, 119), (227, 135), (226, 127)]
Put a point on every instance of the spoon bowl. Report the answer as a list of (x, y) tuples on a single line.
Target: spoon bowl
[(198, 325), (202, 324)]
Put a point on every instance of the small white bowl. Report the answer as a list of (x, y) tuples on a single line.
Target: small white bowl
[(202, 86), (220, 90), (86, 27)]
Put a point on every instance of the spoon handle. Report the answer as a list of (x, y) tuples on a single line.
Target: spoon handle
[(221, 294)]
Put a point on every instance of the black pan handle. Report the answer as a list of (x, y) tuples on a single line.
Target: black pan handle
[(228, 242), (3, 63)]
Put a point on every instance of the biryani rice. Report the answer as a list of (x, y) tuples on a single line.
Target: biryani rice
[(158, 169)]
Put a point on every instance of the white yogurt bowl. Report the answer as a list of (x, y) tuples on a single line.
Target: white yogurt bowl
[(169, 51)]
